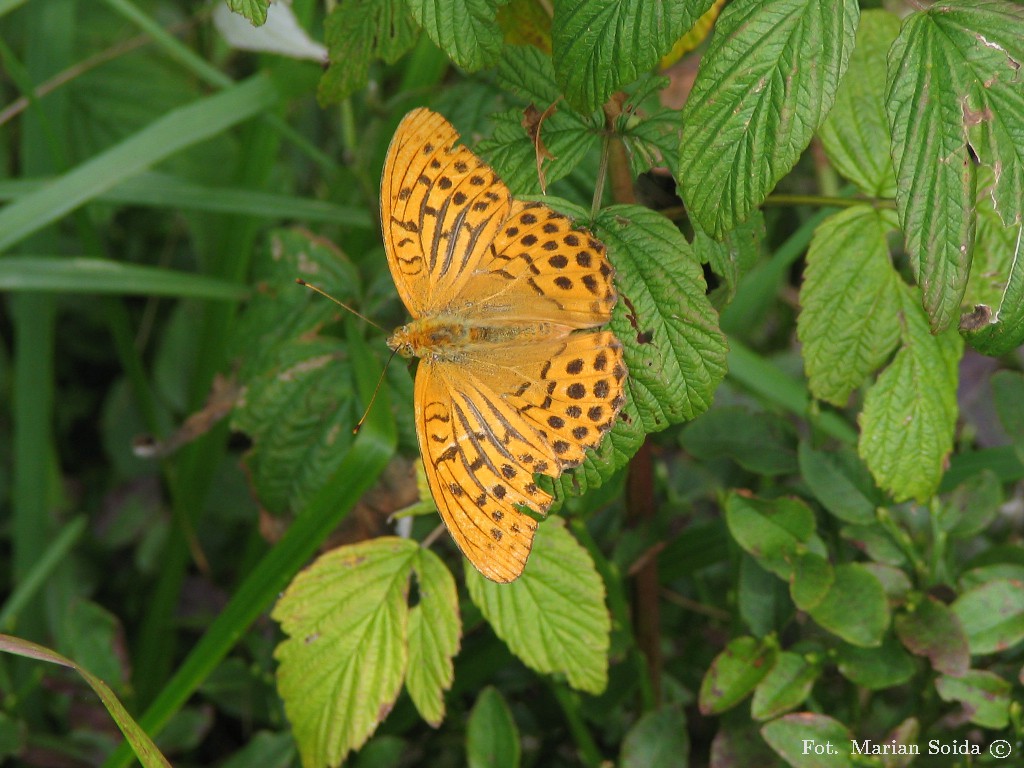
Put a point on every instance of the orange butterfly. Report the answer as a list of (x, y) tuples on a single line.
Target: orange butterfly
[(510, 383)]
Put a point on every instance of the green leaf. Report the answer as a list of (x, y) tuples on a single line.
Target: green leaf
[(992, 615), (93, 633), (985, 697), (600, 45), (855, 134), (358, 32), (659, 739), (650, 132), (876, 669), (553, 617), (66, 274), (299, 410), (985, 42), (466, 30), (765, 85), (674, 349), (932, 630), (973, 505), (512, 154), (492, 739), (731, 257), (855, 607), (734, 673), (434, 631), (785, 687), (807, 740), (143, 747), (811, 581), (774, 532), (1008, 393), (850, 300), (910, 412), (529, 74), (1000, 331), (876, 541), (761, 442), (972, 104), (841, 482), (341, 668), (176, 130), (254, 10)]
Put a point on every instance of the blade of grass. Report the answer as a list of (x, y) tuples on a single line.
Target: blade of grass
[(82, 275), (166, 135), (144, 748), (210, 74), (162, 191), (358, 472), (32, 581)]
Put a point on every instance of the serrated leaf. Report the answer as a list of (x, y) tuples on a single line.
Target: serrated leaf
[(766, 83), (855, 134), (840, 482), (964, 56), (512, 153), (674, 349), (850, 300), (466, 30), (988, 39), (985, 697), (341, 668), (855, 607), (1001, 331), (876, 669), (657, 740), (434, 631), (358, 32), (254, 10), (992, 615), (492, 739), (761, 442), (731, 257), (734, 673), (932, 630), (600, 45), (279, 310), (789, 736), (910, 412), (785, 687), (649, 131), (299, 411), (553, 617), (774, 531), (530, 75)]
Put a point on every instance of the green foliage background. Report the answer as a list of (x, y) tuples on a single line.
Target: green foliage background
[(806, 526)]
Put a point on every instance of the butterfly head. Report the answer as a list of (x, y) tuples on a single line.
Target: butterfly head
[(401, 341)]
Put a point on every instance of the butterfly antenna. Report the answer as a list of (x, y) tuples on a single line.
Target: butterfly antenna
[(341, 304), (373, 399)]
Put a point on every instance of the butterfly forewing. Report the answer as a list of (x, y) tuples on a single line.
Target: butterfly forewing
[(441, 208)]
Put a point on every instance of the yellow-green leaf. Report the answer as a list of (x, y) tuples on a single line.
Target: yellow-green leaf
[(553, 617)]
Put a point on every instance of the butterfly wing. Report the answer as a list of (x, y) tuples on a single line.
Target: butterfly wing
[(441, 208), (487, 424)]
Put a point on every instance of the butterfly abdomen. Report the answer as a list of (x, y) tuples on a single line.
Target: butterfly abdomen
[(447, 339)]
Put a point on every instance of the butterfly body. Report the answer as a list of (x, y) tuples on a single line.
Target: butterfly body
[(515, 377)]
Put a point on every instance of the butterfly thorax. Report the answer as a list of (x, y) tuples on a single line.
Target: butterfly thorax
[(447, 338)]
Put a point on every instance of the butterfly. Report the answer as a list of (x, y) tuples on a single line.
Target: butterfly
[(513, 379)]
